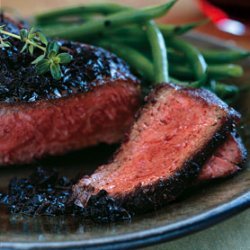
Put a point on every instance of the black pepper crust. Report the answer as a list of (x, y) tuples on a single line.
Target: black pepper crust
[(203, 95), (91, 66)]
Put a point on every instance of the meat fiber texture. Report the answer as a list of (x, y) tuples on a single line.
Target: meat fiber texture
[(174, 135), (29, 131)]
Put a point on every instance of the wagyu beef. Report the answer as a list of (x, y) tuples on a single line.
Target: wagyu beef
[(173, 136), (93, 103), (227, 160)]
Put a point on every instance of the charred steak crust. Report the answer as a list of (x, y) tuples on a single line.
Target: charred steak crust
[(91, 67), (202, 95), (157, 193)]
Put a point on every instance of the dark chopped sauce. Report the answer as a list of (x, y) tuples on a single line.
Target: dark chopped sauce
[(102, 208), (44, 192), (90, 67)]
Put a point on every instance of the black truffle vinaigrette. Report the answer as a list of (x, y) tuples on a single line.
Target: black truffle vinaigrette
[(44, 192)]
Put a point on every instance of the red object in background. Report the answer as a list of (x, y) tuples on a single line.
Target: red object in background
[(213, 12), (222, 19)]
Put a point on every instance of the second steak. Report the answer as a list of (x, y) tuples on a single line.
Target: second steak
[(172, 138)]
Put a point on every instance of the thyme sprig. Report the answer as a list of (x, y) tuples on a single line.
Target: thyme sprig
[(49, 61)]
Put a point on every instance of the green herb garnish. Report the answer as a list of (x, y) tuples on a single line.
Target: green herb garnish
[(50, 59)]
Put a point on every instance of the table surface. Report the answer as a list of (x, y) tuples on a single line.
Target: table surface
[(229, 235)]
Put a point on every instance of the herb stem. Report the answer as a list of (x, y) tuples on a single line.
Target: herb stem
[(35, 45), (10, 34), (26, 40)]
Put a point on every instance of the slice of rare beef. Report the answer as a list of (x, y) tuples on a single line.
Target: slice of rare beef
[(227, 160), (175, 133), (94, 102)]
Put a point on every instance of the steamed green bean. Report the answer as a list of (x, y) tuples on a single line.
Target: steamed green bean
[(194, 57), (104, 9), (213, 71), (112, 21), (159, 52)]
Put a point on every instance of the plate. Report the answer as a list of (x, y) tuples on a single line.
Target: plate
[(195, 210)]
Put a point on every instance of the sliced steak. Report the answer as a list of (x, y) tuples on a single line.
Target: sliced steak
[(226, 161), (94, 102), (173, 136)]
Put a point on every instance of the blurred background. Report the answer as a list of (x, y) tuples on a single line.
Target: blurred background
[(229, 17)]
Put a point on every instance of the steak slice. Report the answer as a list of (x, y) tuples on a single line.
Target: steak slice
[(173, 136), (94, 102), (226, 161), (29, 131)]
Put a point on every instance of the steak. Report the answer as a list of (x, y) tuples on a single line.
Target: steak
[(94, 102), (226, 161), (175, 133)]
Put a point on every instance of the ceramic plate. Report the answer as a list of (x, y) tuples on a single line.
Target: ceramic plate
[(196, 210)]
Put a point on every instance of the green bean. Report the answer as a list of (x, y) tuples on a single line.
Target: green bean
[(166, 29), (129, 41), (183, 83), (169, 30), (176, 56), (88, 11), (128, 31), (74, 20), (212, 56), (224, 90), (49, 29), (137, 33), (214, 71), (113, 21), (124, 32), (159, 52), (105, 9), (228, 92), (133, 30), (227, 70), (194, 57), (135, 59), (158, 48)]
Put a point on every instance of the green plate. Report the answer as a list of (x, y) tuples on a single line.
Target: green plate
[(194, 211)]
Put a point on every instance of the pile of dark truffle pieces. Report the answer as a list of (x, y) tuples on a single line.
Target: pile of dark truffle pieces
[(44, 192)]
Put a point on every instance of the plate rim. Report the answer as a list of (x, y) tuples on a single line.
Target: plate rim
[(147, 237), (160, 234)]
